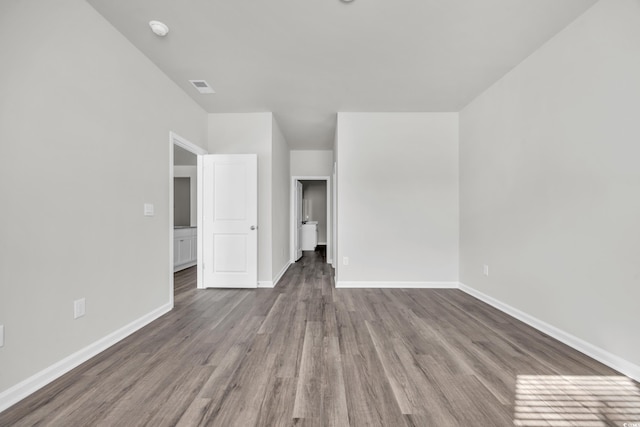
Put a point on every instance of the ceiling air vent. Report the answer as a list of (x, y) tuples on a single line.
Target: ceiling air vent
[(202, 86)]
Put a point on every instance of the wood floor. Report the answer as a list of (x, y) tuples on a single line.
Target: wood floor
[(305, 353)]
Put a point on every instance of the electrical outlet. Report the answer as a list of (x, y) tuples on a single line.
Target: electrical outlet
[(345, 260), (1, 335), (149, 209), (78, 308), (485, 270)]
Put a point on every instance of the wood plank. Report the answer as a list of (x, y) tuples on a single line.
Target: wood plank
[(305, 353), (308, 402), (334, 399)]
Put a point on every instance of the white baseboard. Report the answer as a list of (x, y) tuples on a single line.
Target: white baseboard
[(184, 266), (24, 388), (603, 356), (272, 284), (280, 274), (265, 284), (399, 285)]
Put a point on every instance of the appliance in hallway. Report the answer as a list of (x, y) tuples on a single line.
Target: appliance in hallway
[(309, 238)]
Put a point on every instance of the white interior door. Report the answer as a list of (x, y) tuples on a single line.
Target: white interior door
[(230, 219), (298, 220)]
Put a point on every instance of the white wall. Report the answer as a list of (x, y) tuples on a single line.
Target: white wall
[(550, 182), (281, 210), (84, 129), (398, 198), (192, 173), (182, 157), (250, 133), (311, 162)]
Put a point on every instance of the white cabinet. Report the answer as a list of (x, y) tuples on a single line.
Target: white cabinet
[(185, 247), (184, 251), (309, 239)]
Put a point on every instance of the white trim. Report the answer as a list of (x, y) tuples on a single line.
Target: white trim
[(280, 274), (272, 283), (330, 220), (265, 284), (184, 266), (311, 177), (175, 139), (619, 364), (292, 222), (199, 232), (32, 384), (332, 256), (170, 210), (323, 243), (187, 145), (399, 285)]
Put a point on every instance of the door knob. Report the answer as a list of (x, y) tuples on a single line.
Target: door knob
[(253, 227)]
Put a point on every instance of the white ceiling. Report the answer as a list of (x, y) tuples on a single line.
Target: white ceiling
[(305, 60)]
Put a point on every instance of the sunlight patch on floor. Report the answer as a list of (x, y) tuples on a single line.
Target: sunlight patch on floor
[(569, 400)]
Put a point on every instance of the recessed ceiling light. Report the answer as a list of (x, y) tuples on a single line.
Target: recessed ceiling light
[(159, 28), (202, 86)]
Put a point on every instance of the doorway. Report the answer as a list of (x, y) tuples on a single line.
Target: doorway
[(185, 237), (185, 198), (311, 219)]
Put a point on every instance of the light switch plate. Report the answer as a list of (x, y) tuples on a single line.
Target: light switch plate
[(148, 209)]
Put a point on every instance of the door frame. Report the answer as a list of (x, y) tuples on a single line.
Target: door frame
[(177, 140), (298, 201), (292, 216)]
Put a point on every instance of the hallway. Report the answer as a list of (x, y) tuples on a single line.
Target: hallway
[(305, 353)]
